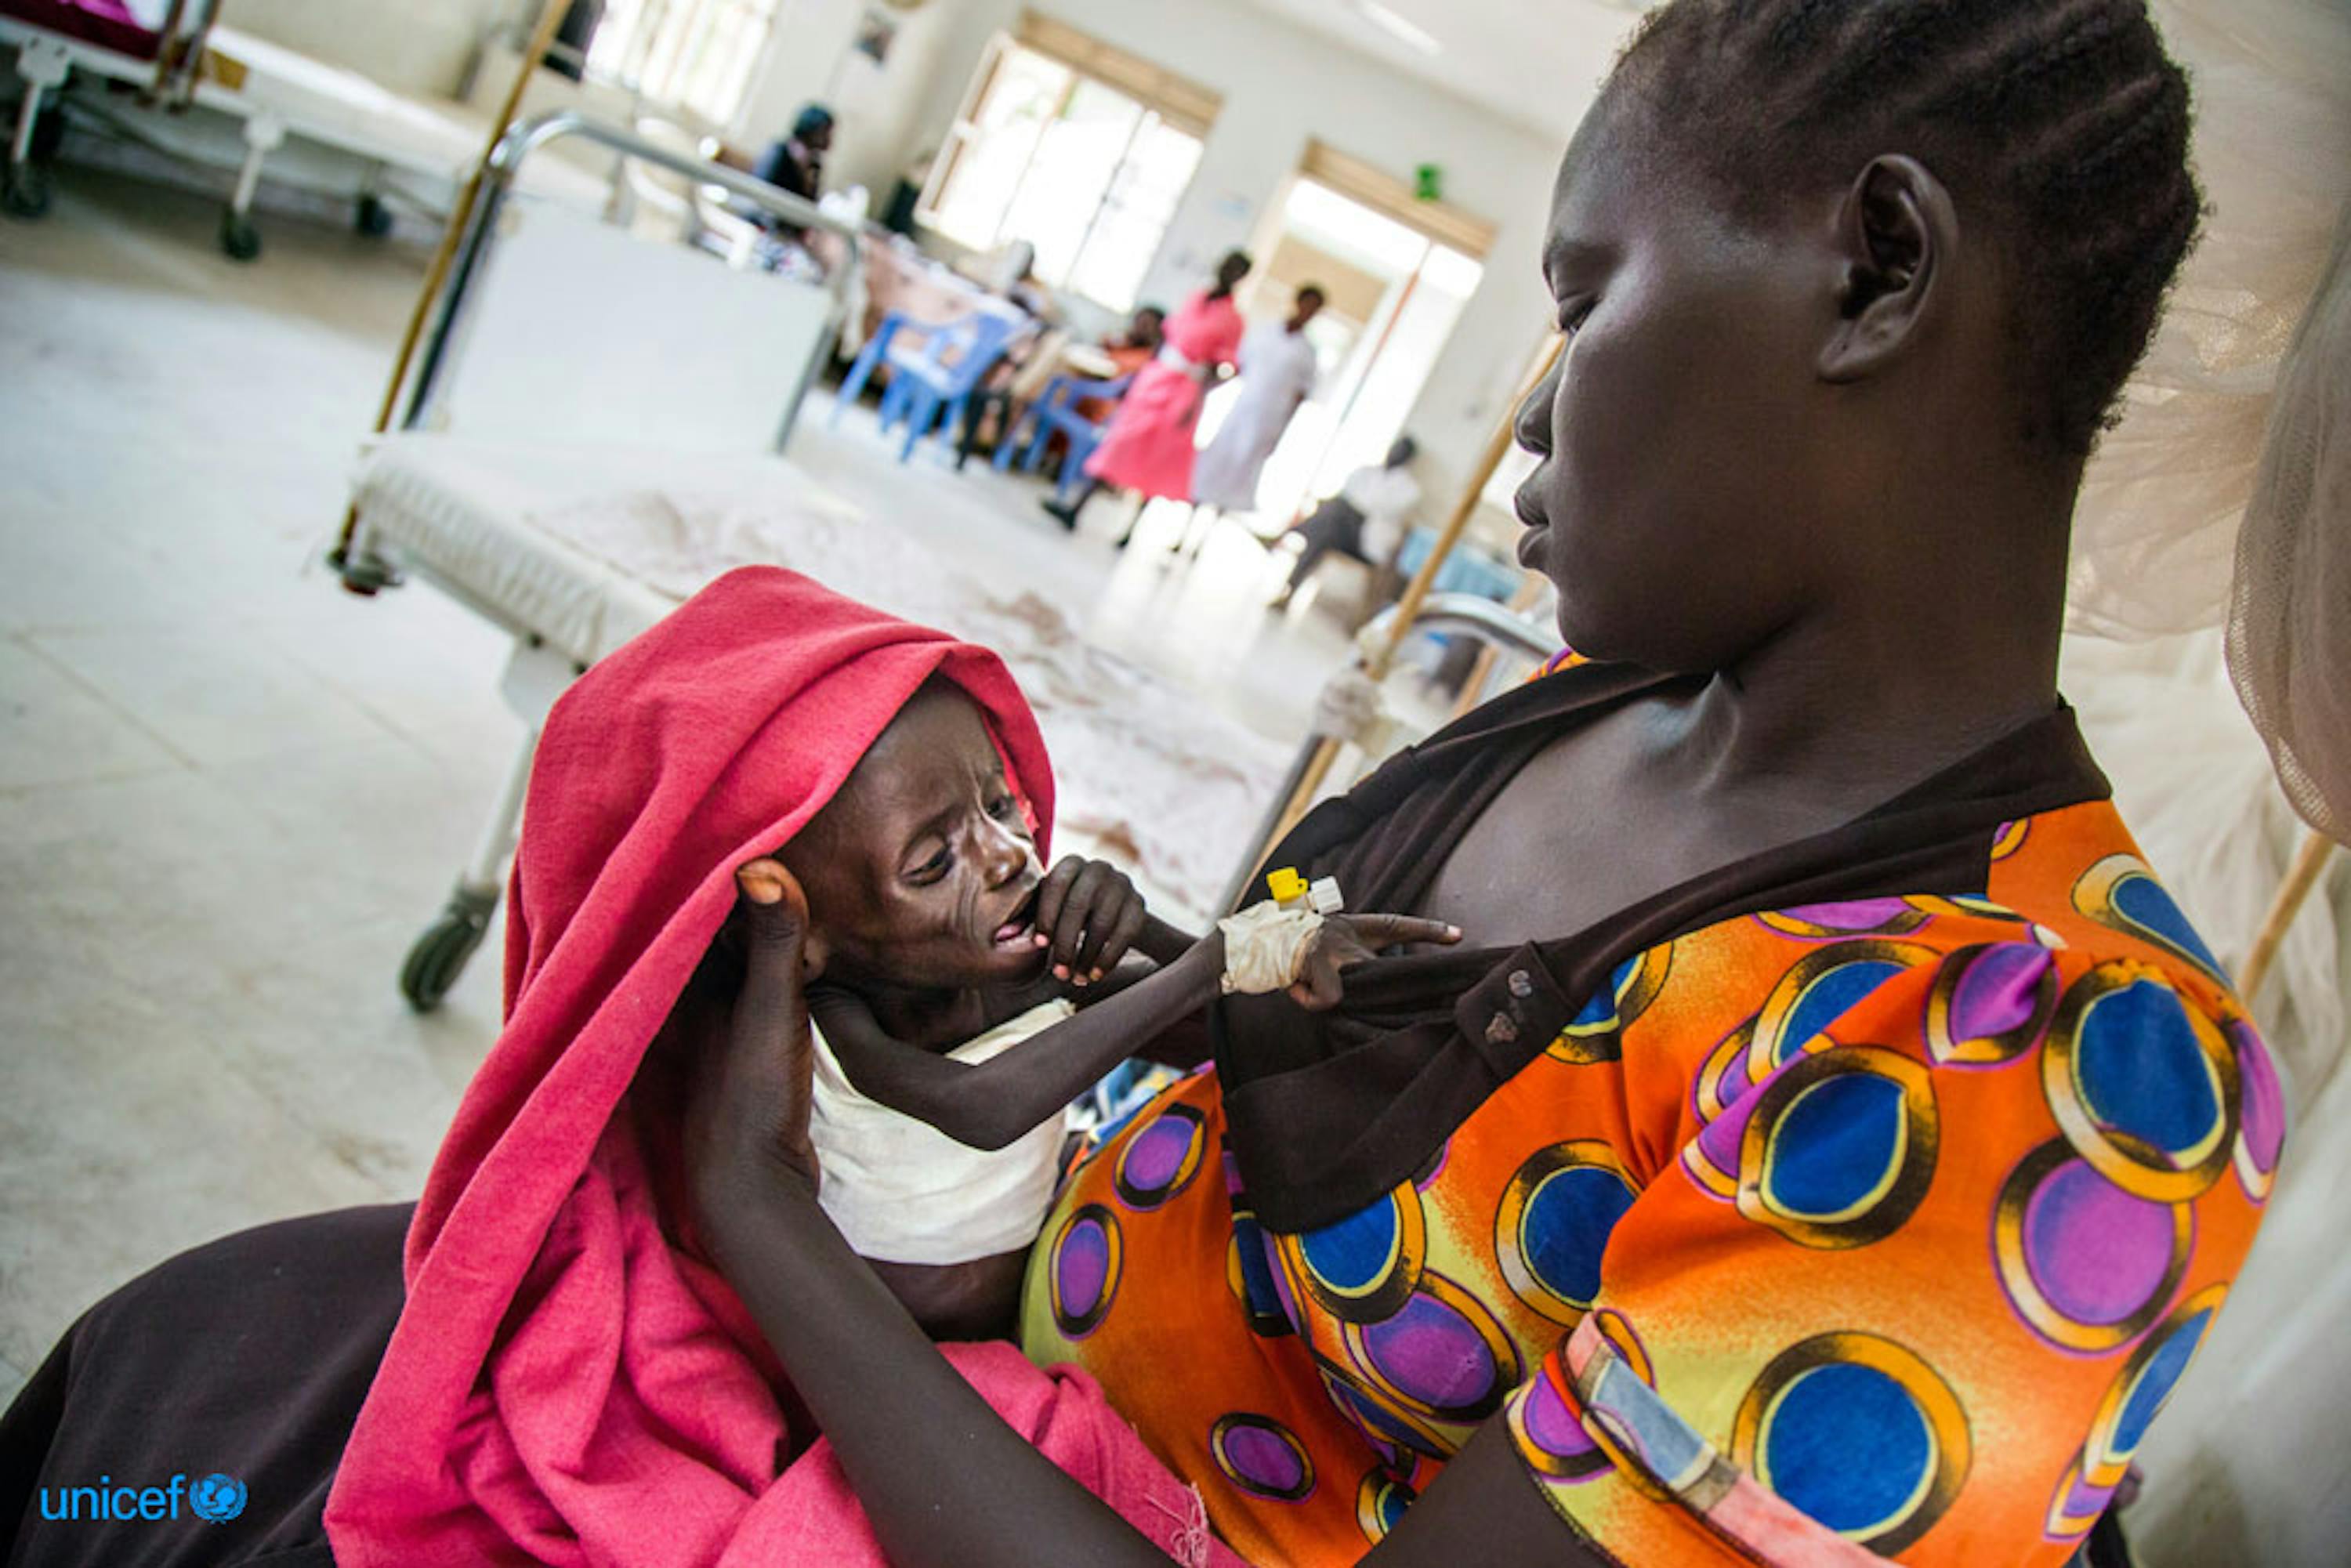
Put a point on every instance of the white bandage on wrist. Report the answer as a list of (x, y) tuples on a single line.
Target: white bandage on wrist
[(1265, 947)]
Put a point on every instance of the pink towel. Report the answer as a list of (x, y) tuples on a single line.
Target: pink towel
[(564, 1386)]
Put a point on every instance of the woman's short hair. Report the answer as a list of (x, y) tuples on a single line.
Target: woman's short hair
[(2063, 121)]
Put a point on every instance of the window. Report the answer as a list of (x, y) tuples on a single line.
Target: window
[(694, 55), (1076, 148)]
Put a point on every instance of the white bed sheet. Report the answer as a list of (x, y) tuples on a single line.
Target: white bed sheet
[(588, 547), (327, 103)]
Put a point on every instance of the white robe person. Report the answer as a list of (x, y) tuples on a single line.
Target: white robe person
[(1278, 373)]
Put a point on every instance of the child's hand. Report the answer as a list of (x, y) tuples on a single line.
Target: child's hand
[(1089, 914), (1347, 940)]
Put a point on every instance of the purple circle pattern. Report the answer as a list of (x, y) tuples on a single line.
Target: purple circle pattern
[(1084, 1269), (1259, 1455), (1990, 1003), (2097, 1252), (1552, 1440), (1161, 1159), (2088, 1263), (2261, 1129)]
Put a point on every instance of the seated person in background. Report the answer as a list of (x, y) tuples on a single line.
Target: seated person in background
[(1016, 279), (795, 163), (1364, 521), (1012, 387), (573, 36), (1129, 352)]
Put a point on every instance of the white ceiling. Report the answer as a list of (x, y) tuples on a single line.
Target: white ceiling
[(1535, 62)]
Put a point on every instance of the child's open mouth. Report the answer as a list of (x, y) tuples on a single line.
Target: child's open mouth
[(1015, 931)]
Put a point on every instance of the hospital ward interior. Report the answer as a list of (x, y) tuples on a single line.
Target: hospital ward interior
[(1232, 781)]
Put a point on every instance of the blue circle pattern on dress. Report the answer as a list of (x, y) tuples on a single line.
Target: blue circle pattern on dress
[(1837, 1145), (1831, 995), (1848, 1445), (1252, 1278), (2157, 1377), (2132, 1402), (2121, 893), (1569, 1218), (1363, 1268), (1552, 1228), (1858, 1432), (1380, 1503), (2144, 1090), (1840, 1148), (1355, 1253), (2143, 1072)]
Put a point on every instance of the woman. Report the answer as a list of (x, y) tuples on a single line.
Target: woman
[(1148, 448), (1838, 1144), (1835, 1144), (1278, 371)]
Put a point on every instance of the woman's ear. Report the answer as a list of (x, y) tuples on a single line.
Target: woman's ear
[(1898, 235)]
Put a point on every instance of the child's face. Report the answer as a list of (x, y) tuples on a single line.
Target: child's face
[(922, 871)]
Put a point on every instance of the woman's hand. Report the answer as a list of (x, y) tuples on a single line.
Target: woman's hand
[(746, 1099), (1089, 914), (1345, 941)]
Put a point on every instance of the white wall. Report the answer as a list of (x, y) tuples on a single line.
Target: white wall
[(417, 46), (1281, 86)]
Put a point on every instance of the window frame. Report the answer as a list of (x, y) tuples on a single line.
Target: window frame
[(1163, 100)]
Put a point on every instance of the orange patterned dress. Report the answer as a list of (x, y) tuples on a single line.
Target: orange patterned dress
[(1860, 1228)]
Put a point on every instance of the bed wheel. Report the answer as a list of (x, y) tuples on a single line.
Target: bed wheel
[(373, 219), (239, 240), (440, 955), (365, 573), (48, 134), (26, 192)]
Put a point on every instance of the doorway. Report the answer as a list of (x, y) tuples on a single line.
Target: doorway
[(1397, 272)]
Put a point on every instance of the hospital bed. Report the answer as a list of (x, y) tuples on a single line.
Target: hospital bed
[(212, 96), (571, 475)]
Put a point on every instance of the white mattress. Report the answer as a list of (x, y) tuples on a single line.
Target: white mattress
[(588, 547), (339, 107)]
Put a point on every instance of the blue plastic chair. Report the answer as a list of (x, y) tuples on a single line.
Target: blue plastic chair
[(927, 391), (868, 358), (1056, 412)]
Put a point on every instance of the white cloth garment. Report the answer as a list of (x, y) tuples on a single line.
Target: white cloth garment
[(1385, 496), (904, 1192), (1278, 373)]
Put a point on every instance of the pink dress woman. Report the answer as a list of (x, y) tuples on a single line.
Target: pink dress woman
[(1148, 447)]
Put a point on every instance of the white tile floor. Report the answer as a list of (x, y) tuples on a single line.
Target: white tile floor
[(230, 794)]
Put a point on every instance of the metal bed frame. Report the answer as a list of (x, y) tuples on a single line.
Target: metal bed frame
[(537, 675), (47, 60)]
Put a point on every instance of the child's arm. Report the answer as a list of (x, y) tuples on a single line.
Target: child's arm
[(990, 1104)]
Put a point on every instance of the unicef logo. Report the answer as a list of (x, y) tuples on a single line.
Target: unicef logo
[(217, 1497)]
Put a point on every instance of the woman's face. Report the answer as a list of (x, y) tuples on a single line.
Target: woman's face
[(1677, 432), (922, 871)]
